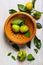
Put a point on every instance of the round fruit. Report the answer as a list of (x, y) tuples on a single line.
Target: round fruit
[(36, 14), (15, 28), (23, 28), (21, 55), (29, 5)]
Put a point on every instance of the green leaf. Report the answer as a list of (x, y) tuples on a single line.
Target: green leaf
[(27, 34), (39, 25), (30, 57), (11, 11), (29, 44), (33, 1), (36, 51), (22, 8), (17, 22), (37, 42), (9, 54), (13, 57), (16, 47)]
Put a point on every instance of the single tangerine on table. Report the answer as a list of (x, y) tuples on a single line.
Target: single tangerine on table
[(29, 5)]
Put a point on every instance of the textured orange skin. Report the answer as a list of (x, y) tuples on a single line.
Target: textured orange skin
[(20, 38)]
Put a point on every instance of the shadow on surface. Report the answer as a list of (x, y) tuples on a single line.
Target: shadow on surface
[(13, 45)]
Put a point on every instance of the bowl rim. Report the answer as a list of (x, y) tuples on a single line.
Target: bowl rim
[(33, 20)]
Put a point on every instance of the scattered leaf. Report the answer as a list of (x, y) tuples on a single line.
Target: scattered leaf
[(22, 8), (27, 34), (9, 54), (29, 44), (11, 11), (16, 47), (30, 57), (13, 57), (39, 25), (37, 42), (36, 51)]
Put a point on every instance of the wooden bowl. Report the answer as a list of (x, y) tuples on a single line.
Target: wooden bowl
[(20, 38)]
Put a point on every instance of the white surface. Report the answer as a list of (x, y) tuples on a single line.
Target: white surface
[(5, 48)]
